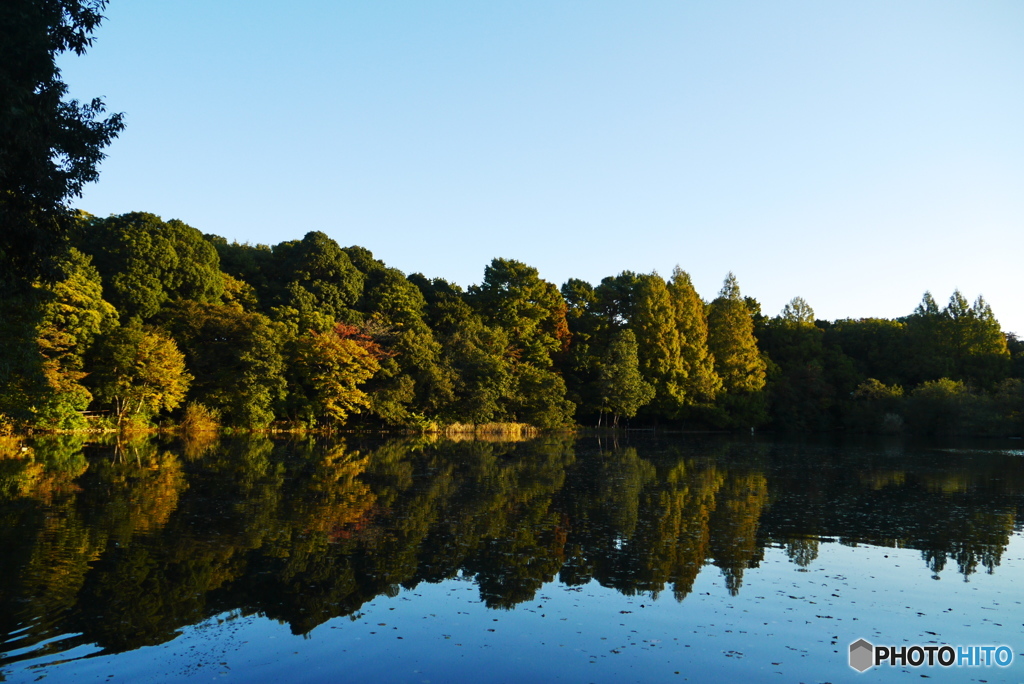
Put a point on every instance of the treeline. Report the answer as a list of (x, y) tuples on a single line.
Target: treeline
[(145, 321)]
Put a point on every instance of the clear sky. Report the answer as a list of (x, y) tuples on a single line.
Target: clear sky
[(852, 153)]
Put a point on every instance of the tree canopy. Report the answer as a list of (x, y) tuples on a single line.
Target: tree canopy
[(50, 145)]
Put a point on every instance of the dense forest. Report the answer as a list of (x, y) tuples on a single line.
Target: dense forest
[(149, 321), (133, 320)]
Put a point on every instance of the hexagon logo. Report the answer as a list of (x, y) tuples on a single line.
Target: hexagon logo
[(862, 655)]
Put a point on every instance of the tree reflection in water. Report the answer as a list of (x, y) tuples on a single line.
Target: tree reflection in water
[(122, 544)]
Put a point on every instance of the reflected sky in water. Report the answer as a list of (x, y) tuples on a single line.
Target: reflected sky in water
[(693, 559)]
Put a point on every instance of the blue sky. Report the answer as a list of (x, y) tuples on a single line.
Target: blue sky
[(852, 153)]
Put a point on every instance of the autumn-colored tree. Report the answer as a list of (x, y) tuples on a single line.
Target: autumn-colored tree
[(334, 365), (139, 371), (653, 320), (731, 340), (701, 383)]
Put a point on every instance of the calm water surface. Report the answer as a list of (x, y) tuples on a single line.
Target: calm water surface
[(559, 559)]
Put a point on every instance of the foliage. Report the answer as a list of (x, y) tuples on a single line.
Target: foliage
[(147, 263), (50, 145), (623, 389), (73, 314), (139, 372), (732, 343), (333, 365), (659, 350), (235, 358), (700, 384), (514, 298), (199, 418)]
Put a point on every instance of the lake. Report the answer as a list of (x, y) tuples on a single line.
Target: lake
[(576, 559)]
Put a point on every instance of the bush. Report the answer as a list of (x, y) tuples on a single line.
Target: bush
[(199, 418)]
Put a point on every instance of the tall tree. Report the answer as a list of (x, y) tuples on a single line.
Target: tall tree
[(800, 389), (974, 342), (532, 313), (731, 340), (235, 356), (44, 384), (928, 360), (514, 297), (50, 145), (580, 365), (701, 383), (413, 380), (653, 321), (315, 274)]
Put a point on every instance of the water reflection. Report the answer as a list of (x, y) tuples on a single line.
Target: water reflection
[(120, 544)]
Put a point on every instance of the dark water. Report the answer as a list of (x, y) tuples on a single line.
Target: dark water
[(560, 559)]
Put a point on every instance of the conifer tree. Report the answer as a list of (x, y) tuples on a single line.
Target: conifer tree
[(973, 341), (924, 337), (731, 340), (701, 383), (653, 321)]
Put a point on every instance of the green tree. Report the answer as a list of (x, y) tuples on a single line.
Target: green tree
[(798, 312), (653, 320), (74, 313), (45, 334), (877, 347), (532, 313), (314, 274), (477, 354), (623, 389), (701, 383), (512, 296), (147, 262), (876, 407), (928, 360), (938, 407), (413, 380), (50, 145), (579, 366), (236, 359), (732, 343), (973, 341), (139, 372)]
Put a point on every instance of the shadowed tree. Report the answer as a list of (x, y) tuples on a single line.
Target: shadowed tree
[(50, 145), (622, 387)]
